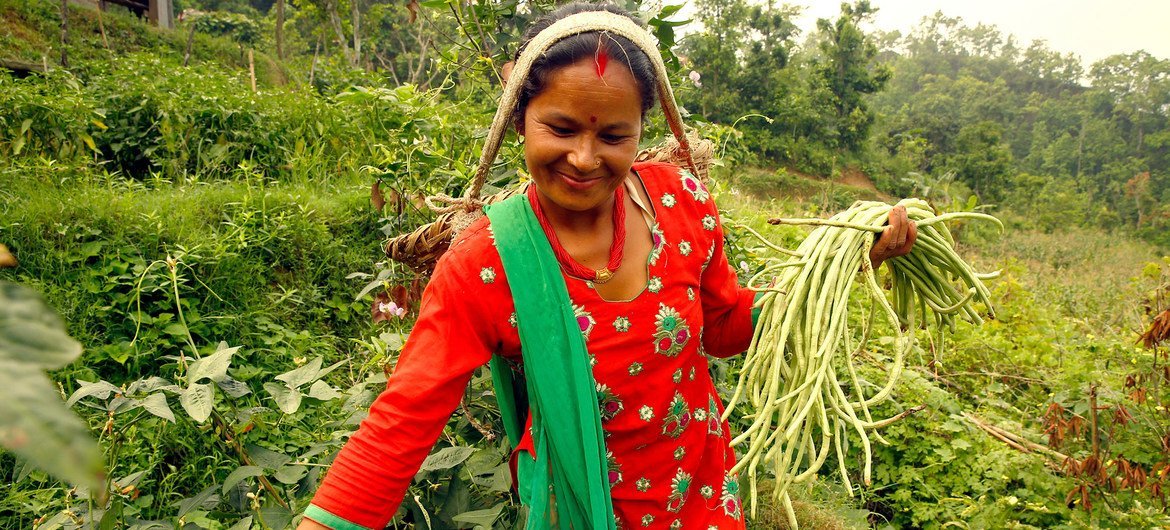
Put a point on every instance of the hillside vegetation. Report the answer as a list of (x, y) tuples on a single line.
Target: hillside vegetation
[(215, 251)]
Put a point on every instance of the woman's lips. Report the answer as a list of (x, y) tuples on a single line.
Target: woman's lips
[(577, 183)]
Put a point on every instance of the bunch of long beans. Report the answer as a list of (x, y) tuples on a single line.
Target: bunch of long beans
[(802, 408)]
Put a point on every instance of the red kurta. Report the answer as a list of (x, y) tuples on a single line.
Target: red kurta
[(669, 452)]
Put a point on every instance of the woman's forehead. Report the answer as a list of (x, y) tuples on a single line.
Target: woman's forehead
[(578, 87)]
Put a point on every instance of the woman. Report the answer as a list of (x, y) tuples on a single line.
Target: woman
[(639, 248)]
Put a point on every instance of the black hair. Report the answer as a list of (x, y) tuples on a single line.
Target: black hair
[(572, 49)]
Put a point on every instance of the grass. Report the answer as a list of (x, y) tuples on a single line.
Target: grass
[(251, 240), (30, 32)]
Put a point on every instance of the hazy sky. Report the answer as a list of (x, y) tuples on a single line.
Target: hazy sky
[(1093, 29)]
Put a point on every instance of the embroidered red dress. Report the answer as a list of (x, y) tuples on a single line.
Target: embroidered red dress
[(669, 453)]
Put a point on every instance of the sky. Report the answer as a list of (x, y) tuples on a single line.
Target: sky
[(1092, 29)]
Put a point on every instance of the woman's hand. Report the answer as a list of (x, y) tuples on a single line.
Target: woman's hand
[(896, 240)]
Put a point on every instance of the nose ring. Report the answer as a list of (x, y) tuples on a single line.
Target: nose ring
[(597, 163)]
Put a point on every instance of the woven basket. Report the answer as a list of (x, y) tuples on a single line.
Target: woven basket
[(423, 247)]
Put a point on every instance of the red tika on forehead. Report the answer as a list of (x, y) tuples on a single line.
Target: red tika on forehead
[(601, 60)]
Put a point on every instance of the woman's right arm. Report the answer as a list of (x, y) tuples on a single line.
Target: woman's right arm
[(451, 338)]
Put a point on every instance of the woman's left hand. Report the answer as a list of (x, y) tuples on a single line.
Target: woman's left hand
[(897, 238)]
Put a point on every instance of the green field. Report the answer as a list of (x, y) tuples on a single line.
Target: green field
[(215, 252)]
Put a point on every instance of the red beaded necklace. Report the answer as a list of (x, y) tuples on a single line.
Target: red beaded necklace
[(567, 262)]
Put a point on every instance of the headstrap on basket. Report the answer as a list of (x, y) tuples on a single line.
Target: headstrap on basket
[(421, 248)]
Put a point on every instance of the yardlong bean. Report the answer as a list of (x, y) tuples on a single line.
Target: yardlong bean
[(800, 410)]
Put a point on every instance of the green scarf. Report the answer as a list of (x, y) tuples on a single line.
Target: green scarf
[(570, 460)]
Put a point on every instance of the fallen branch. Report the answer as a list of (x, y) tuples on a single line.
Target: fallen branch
[(1013, 440)]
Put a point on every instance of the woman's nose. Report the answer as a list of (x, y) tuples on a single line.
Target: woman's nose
[(583, 157)]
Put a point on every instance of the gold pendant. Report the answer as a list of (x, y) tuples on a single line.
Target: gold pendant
[(603, 275)]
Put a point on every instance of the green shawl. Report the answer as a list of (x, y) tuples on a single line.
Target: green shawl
[(558, 381)]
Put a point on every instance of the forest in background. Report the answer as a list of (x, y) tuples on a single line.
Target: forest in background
[(195, 204)]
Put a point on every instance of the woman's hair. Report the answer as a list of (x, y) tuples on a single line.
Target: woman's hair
[(582, 45)]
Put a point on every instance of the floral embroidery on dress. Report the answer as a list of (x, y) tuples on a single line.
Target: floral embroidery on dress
[(707, 491), (659, 242), (714, 422), (646, 413), (488, 275), (647, 520), (730, 498), (690, 294), (709, 222), (621, 324), (609, 403), (678, 491), (635, 368), (654, 285), (584, 319), (710, 254), (672, 331), (692, 185), (700, 414), (680, 452), (676, 376), (615, 469), (691, 375), (643, 484), (678, 416), (512, 319), (676, 525), (668, 200), (684, 248)]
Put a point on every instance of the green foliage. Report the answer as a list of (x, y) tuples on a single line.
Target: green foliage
[(849, 72), (196, 237), (1012, 122), (239, 28), (35, 425)]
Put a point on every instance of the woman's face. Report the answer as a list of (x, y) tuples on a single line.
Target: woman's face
[(581, 134)]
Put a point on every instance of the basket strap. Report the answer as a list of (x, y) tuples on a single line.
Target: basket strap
[(567, 27)]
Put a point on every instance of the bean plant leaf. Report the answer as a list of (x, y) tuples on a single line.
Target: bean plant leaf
[(288, 400), (242, 524), (214, 366), (157, 404), (266, 458), (322, 391), (446, 458), (98, 389), (197, 401), (290, 474), (302, 375), (233, 388), (204, 500), (241, 473), (479, 518), (34, 422)]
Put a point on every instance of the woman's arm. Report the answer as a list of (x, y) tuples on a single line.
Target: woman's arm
[(452, 337)]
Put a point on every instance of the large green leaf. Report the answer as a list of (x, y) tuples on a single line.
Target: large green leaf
[(214, 366), (240, 474), (34, 422), (156, 404), (197, 401), (446, 458), (479, 519), (287, 399)]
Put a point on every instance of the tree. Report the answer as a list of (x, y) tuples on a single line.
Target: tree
[(982, 161), (850, 72)]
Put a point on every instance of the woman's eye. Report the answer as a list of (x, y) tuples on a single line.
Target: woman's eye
[(561, 131), (613, 138)]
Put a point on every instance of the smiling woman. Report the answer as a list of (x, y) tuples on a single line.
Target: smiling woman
[(597, 297)]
